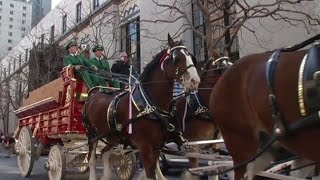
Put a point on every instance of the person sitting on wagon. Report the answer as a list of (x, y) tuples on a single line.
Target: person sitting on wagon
[(77, 61), (101, 63), (122, 66)]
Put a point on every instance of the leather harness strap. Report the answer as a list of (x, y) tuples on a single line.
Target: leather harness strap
[(280, 127)]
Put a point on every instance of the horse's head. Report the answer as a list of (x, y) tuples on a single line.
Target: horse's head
[(213, 68), (222, 63), (178, 64)]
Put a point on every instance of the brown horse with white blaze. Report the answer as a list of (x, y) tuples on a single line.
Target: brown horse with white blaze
[(241, 105), (151, 96)]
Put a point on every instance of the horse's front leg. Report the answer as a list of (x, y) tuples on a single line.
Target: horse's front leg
[(193, 162), (159, 174), (107, 172), (92, 161), (150, 158)]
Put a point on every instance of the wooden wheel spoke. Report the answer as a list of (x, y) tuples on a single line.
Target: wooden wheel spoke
[(57, 163), (26, 146)]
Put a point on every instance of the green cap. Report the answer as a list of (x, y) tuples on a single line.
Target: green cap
[(71, 43), (97, 48)]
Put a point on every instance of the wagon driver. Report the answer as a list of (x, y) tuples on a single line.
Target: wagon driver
[(101, 63), (77, 61)]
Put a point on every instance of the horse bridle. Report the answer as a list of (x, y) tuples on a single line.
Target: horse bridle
[(170, 54), (205, 69)]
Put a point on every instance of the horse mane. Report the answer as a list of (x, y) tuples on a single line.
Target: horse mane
[(151, 66), (155, 62)]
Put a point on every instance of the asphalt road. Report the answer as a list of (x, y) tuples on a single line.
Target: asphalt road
[(9, 170)]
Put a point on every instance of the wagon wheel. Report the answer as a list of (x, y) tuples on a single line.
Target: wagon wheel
[(56, 164), (38, 150), (164, 167), (25, 152), (123, 164), (83, 159)]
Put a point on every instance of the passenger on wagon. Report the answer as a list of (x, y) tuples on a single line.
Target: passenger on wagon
[(77, 61), (122, 66), (101, 63)]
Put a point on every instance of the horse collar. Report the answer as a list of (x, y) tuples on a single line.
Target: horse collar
[(280, 127)]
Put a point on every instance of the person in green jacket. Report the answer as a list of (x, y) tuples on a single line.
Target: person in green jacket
[(77, 61), (101, 63)]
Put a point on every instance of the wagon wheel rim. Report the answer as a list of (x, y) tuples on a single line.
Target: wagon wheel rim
[(124, 165), (83, 159), (25, 148), (57, 163)]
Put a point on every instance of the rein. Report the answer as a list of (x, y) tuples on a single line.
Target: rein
[(243, 164)]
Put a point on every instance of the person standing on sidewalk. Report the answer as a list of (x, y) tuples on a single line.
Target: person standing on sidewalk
[(9, 144)]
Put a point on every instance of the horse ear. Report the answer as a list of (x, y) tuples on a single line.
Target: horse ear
[(170, 41)]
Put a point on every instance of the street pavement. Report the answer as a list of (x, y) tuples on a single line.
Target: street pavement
[(9, 170)]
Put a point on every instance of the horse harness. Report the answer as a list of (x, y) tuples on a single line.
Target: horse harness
[(170, 54), (195, 102), (308, 92), (142, 103)]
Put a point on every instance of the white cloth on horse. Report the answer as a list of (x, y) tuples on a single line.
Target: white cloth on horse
[(177, 89)]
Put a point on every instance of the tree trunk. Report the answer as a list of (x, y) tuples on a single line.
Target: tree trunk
[(227, 37)]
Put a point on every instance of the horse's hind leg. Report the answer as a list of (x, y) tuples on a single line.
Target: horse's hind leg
[(92, 161)]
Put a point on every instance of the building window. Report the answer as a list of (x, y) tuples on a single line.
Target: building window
[(78, 15), (11, 5), (9, 33), (23, 21), (10, 19), (24, 8), (52, 34), (24, 14), (26, 55), (22, 35), (0, 9), (95, 4), (10, 26), (199, 45), (0, 17), (42, 40), (9, 48), (23, 28), (0, 2), (9, 40), (11, 12), (130, 41), (64, 23)]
